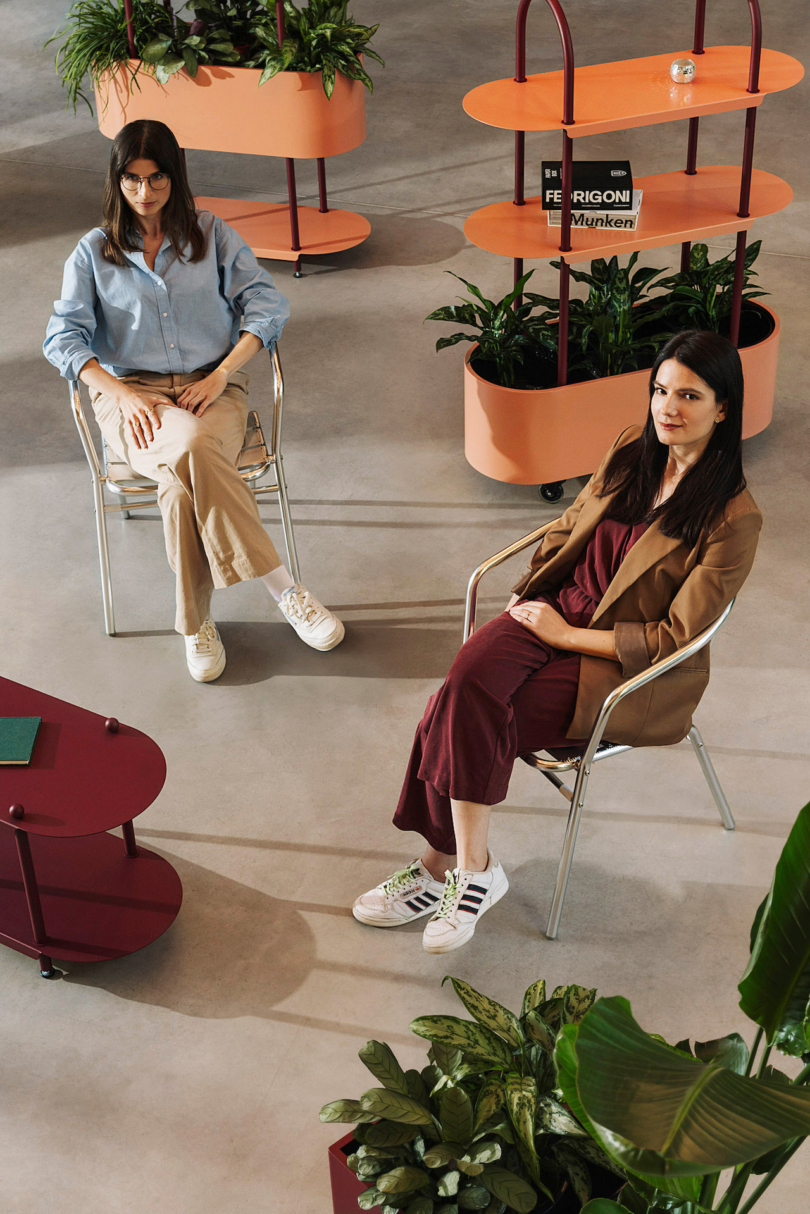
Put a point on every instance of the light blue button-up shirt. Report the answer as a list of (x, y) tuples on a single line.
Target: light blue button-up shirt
[(182, 316)]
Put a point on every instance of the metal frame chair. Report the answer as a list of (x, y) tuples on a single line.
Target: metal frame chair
[(596, 749), (135, 492)]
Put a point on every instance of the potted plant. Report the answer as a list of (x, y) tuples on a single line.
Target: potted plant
[(523, 429), (573, 1105)]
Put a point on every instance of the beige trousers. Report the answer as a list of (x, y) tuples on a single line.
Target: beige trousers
[(214, 536)]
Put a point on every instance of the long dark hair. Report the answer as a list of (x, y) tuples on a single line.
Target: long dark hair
[(634, 474), (149, 140)]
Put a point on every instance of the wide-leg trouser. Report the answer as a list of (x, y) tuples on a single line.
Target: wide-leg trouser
[(214, 535), (507, 693)]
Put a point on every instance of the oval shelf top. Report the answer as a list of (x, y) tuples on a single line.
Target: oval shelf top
[(632, 92)]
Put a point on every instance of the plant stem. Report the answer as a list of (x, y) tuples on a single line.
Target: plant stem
[(753, 1053), (763, 1062), (708, 1188), (774, 1172), (802, 1076), (734, 1192)]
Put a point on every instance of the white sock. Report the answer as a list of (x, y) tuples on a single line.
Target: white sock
[(277, 581)]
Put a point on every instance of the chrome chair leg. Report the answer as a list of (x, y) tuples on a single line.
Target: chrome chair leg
[(707, 767), (104, 559), (286, 520), (567, 857)]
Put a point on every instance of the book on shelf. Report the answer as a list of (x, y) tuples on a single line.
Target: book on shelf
[(623, 221), (596, 185), (17, 738)]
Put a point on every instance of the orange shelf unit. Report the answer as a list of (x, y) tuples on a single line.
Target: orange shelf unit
[(675, 208), (266, 227), (632, 92)]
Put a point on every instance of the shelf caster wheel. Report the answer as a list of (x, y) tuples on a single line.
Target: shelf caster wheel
[(46, 967), (552, 492)]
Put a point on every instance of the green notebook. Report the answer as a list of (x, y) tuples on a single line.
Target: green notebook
[(17, 738)]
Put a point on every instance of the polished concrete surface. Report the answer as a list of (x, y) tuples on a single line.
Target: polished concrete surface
[(189, 1077)]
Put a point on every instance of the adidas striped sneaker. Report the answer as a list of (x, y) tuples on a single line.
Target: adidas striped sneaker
[(466, 896), (408, 894)]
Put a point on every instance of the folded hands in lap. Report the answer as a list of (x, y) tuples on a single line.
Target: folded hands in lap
[(546, 623), (198, 396)]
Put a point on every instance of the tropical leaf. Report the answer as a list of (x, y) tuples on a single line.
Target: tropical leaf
[(456, 1115), (370, 1198), (576, 1170), (447, 1185), (422, 1205), (380, 1060), (489, 1100), (775, 987), (402, 1180), (539, 1031), (385, 1134), (345, 1110), (553, 1118), (590, 1149), (442, 1153), (446, 1058), (463, 1035), (664, 1115), (577, 1000), (603, 1205), (487, 1012), (508, 1187), (475, 1197), (730, 1051), (395, 1107), (417, 1089)]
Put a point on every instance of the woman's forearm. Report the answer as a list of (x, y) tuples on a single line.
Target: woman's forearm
[(248, 345), (595, 642), (96, 377)]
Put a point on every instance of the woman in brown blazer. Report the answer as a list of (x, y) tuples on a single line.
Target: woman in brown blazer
[(656, 545)]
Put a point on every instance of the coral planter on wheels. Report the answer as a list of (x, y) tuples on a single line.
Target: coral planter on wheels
[(223, 109), (548, 435)]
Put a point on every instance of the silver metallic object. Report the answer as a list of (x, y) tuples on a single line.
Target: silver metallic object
[(596, 748), (683, 71)]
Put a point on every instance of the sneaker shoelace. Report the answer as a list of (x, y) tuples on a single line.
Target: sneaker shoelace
[(299, 603), (205, 640), (401, 879), (448, 897)]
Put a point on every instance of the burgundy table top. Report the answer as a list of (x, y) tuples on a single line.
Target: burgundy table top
[(82, 778)]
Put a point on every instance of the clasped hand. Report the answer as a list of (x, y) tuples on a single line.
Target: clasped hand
[(139, 408), (546, 623), (198, 396)]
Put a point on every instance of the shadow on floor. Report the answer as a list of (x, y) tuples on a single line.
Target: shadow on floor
[(259, 651)]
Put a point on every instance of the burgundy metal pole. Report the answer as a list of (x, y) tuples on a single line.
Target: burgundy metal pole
[(30, 886), (756, 46), (281, 28), (565, 211), (295, 240), (517, 273), (520, 164), (130, 31), (129, 839), (322, 199), (562, 327), (747, 161), (567, 49), (692, 146), (737, 289), (700, 26)]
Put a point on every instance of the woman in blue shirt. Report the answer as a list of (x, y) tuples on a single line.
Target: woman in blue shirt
[(161, 308)]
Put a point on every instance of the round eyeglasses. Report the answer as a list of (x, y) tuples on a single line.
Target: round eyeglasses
[(155, 181)]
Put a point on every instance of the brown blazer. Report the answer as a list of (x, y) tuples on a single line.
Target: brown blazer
[(662, 596)]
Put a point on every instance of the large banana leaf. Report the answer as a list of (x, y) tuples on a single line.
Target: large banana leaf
[(775, 987), (662, 1114)]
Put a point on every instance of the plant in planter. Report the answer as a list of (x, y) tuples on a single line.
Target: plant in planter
[(319, 38), (187, 46), (480, 1127), (677, 1116), (702, 294)]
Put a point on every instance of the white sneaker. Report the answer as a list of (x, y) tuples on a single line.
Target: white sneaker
[(205, 653), (313, 622), (408, 894), (466, 896)]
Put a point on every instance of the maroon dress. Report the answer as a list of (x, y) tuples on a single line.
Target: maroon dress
[(507, 693)]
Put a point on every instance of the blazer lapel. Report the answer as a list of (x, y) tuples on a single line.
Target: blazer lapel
[(651, 548)]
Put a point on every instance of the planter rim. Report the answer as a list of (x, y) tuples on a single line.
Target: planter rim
[(211, 67), (600, 378)]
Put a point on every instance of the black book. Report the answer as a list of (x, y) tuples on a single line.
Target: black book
[(598, 185)]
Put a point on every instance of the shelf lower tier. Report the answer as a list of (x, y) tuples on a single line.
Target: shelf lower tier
[(97, 902), (674, 208), (632, 92), (266, 227)]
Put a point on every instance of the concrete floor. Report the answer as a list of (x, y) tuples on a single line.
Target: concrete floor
[(189, 1077)]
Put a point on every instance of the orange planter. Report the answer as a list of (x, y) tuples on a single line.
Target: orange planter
[(223, 109), (547, 435)]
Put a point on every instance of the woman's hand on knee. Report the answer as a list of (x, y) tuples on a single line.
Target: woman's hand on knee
[(546, 623), (198, 396), (141, 418)]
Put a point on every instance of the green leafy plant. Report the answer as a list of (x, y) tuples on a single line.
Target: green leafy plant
[(702, 294), (93, 40), (676, 1117), (481, 1127), (185, 48), (319, 38), (507, 335)]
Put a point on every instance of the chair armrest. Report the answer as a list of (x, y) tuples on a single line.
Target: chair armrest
[(84, 430), (471, 602), (647, 676)]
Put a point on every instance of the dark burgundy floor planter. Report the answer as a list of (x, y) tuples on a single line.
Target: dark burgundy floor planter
[(346, 1188)]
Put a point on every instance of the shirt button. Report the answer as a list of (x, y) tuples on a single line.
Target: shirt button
[(165, 313), (171, 347)]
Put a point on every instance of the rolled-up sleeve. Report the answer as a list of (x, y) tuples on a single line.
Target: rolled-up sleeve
[(248, 288), (725, 562), (69, 335)]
